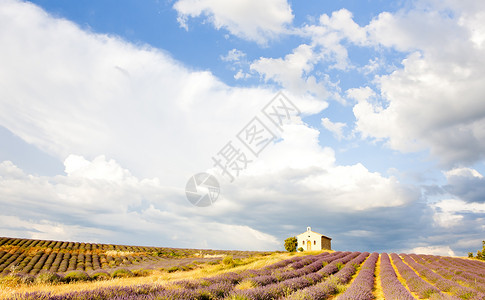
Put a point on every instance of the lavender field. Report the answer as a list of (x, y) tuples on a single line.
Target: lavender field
[(327, 275)]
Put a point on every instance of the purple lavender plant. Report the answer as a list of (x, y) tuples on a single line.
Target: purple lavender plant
[(361, 287), (391, 286)]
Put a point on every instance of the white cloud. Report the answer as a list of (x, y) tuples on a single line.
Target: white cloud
[(68, 91), (241, 75), (342, 22), (292, 72), (433, 250), (86, 207), (300, 170), (254, 20), (360, 94), (463, 172), (336, 128), (233, 55), (330, 36), (450, 213), (435, 101)]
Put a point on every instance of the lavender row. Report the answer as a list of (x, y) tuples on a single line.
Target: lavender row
[(447, 271), (288, 286), (453, 271), (303, 268), (292, 263), (232, 278), (465, 268), (472, 269), (346, 273), (361, 287), (308, 273), (467, 271), (471, 266), (440, 282), (391, 286), (133, 292), (414, 282), (328, 287)]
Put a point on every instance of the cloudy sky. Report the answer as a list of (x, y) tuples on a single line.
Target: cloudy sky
[(107, 108)]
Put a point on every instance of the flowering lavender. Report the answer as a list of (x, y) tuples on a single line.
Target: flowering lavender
[(346, 273), (298, 269), (453, 276), (332, 267), (307, 277), (440, 282), (320, 291), (361, 287), (391, 286), (414, 282)]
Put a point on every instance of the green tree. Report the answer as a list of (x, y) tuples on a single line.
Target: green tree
[(290, 244), (480, 254)]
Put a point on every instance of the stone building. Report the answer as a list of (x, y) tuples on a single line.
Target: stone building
[(311, 240)]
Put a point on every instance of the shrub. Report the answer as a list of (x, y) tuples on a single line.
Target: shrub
[(16, 279), (300, 249), (290, 244), (122, 273), (27, 279), (101, 276), (76, 276), (173, 269), (228, 261), (47, 277), (142, 272)]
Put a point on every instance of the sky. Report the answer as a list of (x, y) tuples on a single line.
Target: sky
[(108, 108)]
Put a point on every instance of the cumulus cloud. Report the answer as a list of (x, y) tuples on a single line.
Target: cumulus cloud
[(99, 200), (458, 214), (434, 102), (292, 72), (466, 184), (233, 55), (330, 35), (336, 128), (253, 20), (431, 102), (68, 91), (433, 250), (300, 170), (83, 205)]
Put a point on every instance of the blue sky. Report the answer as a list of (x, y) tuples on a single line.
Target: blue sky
[(108, 107)]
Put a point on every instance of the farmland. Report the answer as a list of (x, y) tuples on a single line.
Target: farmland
[(33, 269)]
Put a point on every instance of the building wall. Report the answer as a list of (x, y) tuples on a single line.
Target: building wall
[(318, 242), (326, 243), (309, 237)]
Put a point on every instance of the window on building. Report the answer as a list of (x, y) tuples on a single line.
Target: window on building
[(314, 242), (303, 242)]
